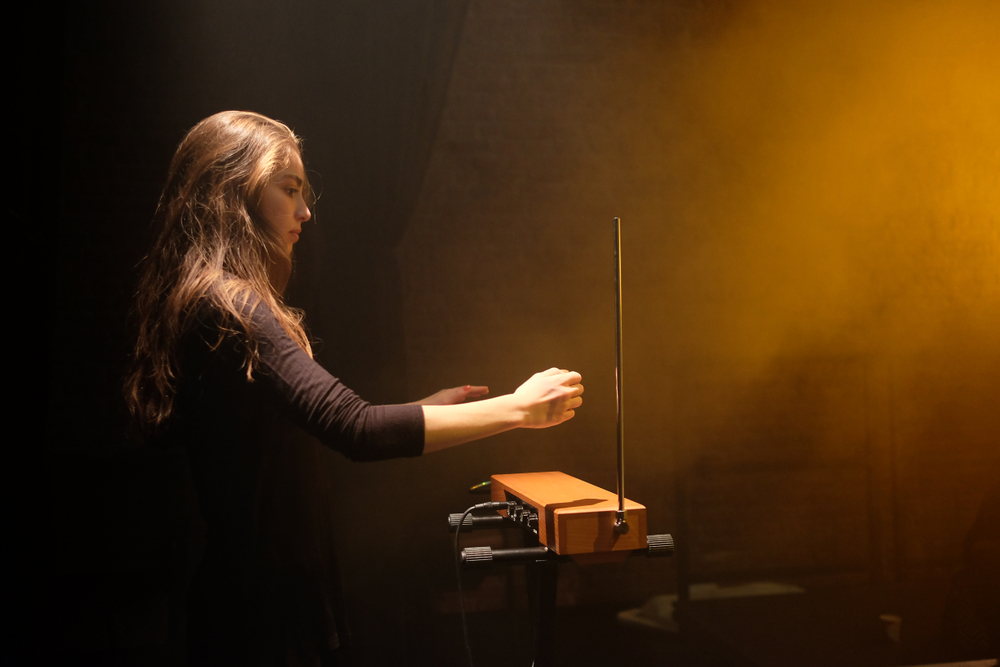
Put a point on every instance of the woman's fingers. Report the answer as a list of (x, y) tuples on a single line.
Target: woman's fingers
[(454, 395), (562, 375), (573, 380), (475, 391)]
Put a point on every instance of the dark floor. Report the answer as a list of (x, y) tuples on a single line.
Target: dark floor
[(822, 628)]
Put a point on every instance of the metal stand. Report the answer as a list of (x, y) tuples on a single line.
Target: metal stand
[(543, 575), (542, 579)]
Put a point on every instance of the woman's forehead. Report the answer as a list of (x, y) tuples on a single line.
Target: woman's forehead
[(292, 167)]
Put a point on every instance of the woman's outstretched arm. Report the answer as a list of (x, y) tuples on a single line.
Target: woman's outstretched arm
[(545, 399)]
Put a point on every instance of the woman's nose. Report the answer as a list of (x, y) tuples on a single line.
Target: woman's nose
[(303, 213)]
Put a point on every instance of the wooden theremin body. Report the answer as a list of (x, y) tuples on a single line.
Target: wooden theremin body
[(574, 517)]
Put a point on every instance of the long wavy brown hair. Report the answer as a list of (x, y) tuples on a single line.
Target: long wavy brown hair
[(211, 249)]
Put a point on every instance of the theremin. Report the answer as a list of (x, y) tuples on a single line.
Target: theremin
[(569, 516)]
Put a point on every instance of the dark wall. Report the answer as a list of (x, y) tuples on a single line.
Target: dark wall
[(812, 291)]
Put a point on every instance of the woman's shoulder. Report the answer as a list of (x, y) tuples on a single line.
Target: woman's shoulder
[(238, 311), (234, 303)]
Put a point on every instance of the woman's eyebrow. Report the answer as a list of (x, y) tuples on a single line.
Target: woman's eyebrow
[(285, 177)]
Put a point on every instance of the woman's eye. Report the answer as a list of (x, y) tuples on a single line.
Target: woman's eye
[(291, 191)]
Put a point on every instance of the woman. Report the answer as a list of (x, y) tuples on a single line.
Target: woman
[(224, 368)]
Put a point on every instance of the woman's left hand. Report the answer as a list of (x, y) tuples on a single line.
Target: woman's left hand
[(454, 395)]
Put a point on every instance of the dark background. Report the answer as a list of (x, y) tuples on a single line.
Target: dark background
[(812, 286)]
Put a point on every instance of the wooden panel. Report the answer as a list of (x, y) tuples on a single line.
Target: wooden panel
[(574, 517)]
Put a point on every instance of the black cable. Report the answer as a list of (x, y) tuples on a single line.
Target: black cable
[(458, 568)]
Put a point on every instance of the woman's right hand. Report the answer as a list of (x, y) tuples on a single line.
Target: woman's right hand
[(545, 399), (549, 397)]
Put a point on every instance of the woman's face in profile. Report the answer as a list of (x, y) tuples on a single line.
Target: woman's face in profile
[(282, 204)]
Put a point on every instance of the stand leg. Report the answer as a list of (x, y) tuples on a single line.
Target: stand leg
[(542, 578)]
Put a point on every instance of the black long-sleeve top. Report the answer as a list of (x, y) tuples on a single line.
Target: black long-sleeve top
[(266, 591)]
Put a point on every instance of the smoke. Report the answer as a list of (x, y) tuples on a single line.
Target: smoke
[(794, 181), (846, 163)]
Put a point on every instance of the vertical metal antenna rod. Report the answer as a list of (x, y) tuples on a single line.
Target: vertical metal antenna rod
[(621, 525)]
